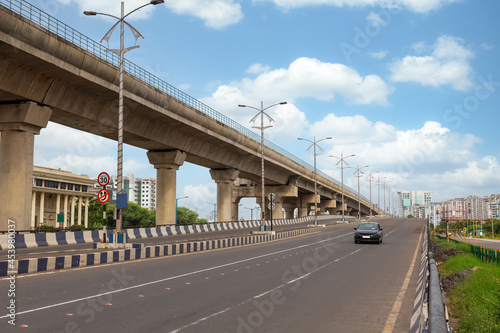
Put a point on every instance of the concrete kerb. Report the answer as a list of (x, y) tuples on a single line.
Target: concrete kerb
[(139, 251)]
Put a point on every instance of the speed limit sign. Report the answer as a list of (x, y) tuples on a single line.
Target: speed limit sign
[(103, 179)]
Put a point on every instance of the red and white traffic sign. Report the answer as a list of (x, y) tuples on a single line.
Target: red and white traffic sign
[(103, 179), (103, 196)]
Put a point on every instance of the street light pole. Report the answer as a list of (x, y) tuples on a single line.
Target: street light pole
[(215, 212), (262, 128), (121, 52), (176, 200), (315, 144), (358, 173), (342, 161), (370, 178)]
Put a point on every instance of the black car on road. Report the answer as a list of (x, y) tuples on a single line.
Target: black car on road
[(368, 232)]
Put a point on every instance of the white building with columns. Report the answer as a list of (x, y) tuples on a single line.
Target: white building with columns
[(60, 192)]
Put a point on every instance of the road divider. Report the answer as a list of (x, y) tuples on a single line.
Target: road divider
[(139, 251), (31, 240)]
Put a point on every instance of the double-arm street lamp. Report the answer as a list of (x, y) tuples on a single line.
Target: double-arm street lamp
[(262, 113), (121, 52), (342, 161), (379, 182), (358, 173), (314, 145), (370, 178)]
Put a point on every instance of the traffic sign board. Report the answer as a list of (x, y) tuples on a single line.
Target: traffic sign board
[(271, 206), (271, 196), (103, 196), (103, 179)]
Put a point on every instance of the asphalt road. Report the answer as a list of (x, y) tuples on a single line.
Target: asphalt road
[(319, 282), (60, 250)]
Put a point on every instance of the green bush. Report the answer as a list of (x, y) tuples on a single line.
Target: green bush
[(46, 228), (77, 227)]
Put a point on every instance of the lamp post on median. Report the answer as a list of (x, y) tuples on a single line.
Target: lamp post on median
[(370, 178), (358, 173), (176, 200), (215, 210), (342, 161), (121, 52), (262, 128), (314, 145), (379, 181)]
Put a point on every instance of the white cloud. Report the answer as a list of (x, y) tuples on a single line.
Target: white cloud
[(429, 149), (113, 7), (216, 14), (379, 55), (448, 64), (487, 46), (431, 157), (305, 77), (257, 69), (419, 6), (62, 147)]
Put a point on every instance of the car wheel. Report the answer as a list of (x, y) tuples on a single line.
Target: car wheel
[(356, 242)]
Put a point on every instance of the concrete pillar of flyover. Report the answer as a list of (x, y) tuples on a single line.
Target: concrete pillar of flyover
[(225, 179), (19, 123), (166, 164), (307, 204), (328, 205), (289, 209), (281, 192)]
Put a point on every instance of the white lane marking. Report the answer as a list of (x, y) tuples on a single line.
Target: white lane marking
[(172, 277), (266, 292)]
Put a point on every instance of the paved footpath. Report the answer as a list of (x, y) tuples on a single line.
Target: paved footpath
[(491, 243)]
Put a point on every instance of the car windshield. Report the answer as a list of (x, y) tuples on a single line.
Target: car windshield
[(368, 226)]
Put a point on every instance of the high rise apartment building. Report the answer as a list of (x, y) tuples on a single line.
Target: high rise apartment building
[(410, 201), (146, 192)]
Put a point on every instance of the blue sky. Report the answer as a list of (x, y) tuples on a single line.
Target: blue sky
[(412, 87)]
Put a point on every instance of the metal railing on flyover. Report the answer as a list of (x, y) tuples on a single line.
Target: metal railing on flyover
[(38, 16)]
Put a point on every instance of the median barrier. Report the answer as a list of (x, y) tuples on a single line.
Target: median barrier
[(138, 251), (30, 240)]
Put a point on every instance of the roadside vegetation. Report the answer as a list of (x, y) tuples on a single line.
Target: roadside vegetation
[(490, 228), (133, 216), (472, 288)]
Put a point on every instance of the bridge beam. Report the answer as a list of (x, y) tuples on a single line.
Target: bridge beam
[(225, 180), (166, 163), (19, 123)]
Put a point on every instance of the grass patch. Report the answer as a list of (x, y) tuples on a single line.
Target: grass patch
[(476, 300)]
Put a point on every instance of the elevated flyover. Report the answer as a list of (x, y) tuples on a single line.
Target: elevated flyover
[(51, 72)]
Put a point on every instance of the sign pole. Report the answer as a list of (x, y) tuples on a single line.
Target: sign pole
[(103, 197)]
